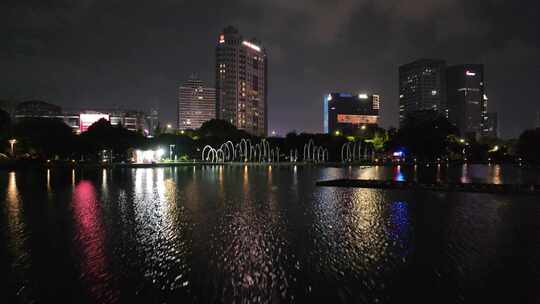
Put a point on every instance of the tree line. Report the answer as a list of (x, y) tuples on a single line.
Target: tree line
[(425, 136)]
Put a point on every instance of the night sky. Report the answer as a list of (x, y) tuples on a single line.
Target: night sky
[(134, 54)]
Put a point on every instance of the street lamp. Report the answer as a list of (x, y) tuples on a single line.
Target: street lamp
[(363, 127), (338, 133), (12, 142)]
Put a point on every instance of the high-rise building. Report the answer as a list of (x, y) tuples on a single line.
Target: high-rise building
[(196, 104), (241, 82), (537, 120), (422, 86), (467, 101), (346, 113), (490, 126)]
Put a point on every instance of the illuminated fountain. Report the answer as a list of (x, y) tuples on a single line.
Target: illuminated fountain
[(313, 153), (244, 151), (355, 151)]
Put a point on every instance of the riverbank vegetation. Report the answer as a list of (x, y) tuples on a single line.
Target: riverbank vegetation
[(424, 137)]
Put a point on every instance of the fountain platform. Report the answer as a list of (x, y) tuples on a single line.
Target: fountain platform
[(443, 187)]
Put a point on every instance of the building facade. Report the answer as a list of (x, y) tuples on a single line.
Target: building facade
[(241, 82), (491, 125), (80, 119), (196, 104), (537, 125), (467, 101), (422, 86), (345, 113)]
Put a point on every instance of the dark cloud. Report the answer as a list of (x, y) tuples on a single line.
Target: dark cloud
[(135, 53)]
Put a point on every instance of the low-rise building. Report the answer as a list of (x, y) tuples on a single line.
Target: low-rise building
[(346, 113)]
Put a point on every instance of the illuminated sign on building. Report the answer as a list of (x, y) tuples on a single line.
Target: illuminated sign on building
[(357, 119), (363, 96), (251, 46), (87, 119), (469, 73)]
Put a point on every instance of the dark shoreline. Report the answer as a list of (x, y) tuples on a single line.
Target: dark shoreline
[(35, 164)]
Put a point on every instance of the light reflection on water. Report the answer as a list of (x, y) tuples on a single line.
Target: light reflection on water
[(90, 239), (16, 226), (267, 234)]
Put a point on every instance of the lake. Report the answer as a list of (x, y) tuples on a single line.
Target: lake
[(265, 234)]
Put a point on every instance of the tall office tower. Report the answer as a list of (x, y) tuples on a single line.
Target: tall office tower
[(537, 120), (422, 86), (196, 104), (490, 126), (241, 82), (467, 102), (348, 114)]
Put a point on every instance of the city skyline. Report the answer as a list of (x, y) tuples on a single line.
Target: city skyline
[(47, 58)]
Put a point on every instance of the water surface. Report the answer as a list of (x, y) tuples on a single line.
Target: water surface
[(265, 234)]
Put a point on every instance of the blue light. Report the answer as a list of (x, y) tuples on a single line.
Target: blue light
[(345, 95), (398, 154)]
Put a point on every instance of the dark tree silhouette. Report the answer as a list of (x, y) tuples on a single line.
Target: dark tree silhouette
[(101, 135), (528, 146), (43, 137), (221, 129), (424, 135)]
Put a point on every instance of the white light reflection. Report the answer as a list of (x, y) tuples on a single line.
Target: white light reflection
[(15, 223), (465, 178), (49, 180), (161, 226), (496, 175), (104, 181)]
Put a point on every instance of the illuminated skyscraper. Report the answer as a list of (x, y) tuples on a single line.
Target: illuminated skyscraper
[(422, 86), (196, 104), (467, 101), (241, 82), (348, 114)]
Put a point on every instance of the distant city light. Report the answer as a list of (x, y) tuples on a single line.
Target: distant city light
[(434, 92), (169, 126), (273, 132), (363, 96), (329, 97), (398, 154), (221, 38), (12, 143), (160, 153), (469, 73), (251, 46), (363, 127), (148, 156), (485, 97)]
